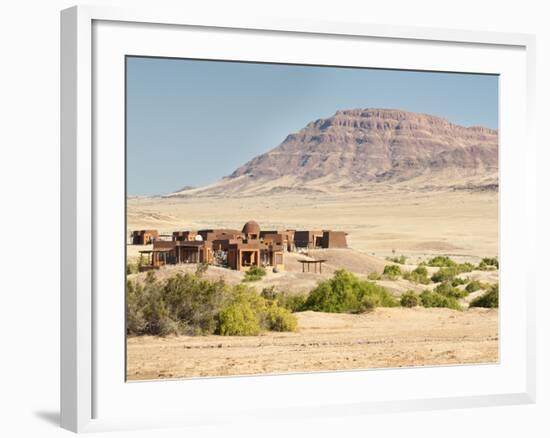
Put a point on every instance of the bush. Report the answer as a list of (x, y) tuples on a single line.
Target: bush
[(255, 273), (434, 299), (344, 292), (239, 319), (279, 319), (440, 262), (294, 302), (465, 267), (474, 285), (418, 275), (402, 260), (445, 274), (457, 281), (392, 271), (421, 270), (488, 299), (488, 264), (409, 299), (132, 268), (188, 304), (446, 288)]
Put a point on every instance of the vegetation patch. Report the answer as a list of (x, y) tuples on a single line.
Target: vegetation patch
[(489, 299), (409, 299), (293, 302), (402, 260), (391, 272), (440, 262), (434, 299), (450, 272), (475, 285), (458, 281), (488, 264), (447, 289), (344, 292), (188, 304), (418, 276), (255, 273)]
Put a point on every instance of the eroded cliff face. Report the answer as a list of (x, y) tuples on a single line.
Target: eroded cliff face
[(356, 149)]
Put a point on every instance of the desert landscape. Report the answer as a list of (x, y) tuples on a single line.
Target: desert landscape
[(411, 190)]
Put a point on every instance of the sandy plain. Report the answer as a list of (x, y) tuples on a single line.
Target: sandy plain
[(457, 223), (380, 223), (386, 337)]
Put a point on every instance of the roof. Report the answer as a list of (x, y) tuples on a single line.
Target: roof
[(251, 227)]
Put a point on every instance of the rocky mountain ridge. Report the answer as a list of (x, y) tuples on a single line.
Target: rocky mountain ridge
[(360, 149)]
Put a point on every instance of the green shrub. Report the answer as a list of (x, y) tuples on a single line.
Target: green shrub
[(488, 264), (238, 319), (488, 299), (269, 293), (374, 276), (255, 273), (294, 302), (188, 304), (474, 285), (418, 275), (195, 302), (132, 268), (440, 262), (421, 270), (409, 299), (402, 260), (392, 271), (344, 292), (288, 300), (445, 274), (465, 267), (279, 319), (450, 272), (446, 288), (434, 299), (457, 281)]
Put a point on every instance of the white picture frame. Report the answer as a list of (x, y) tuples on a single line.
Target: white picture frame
[(93, 390)]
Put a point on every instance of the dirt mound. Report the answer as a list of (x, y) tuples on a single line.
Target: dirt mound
[(349, 259)]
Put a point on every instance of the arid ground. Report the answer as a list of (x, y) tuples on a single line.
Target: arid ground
[(386, 337), (456, 223), (381, 223)]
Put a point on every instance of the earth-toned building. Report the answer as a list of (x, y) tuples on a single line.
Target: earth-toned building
[(144, 237), (238, 250)]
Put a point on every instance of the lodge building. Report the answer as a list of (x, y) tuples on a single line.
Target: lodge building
[(238, 250)]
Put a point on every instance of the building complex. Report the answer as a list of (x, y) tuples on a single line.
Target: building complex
[(238, 250)]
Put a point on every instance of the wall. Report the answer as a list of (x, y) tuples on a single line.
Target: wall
[(29, 184)]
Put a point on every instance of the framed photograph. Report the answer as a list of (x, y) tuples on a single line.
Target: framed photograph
[(284, 219)]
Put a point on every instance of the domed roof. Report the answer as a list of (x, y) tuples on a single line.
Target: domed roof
[(251, 227)]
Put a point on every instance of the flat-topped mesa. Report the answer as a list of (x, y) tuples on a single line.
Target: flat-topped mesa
[(393, 119), (356, 148)]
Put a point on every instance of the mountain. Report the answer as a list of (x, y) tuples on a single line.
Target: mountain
[(360, 149)]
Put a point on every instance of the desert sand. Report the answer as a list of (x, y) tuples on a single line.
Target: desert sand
[(386, 337), (461, 224)]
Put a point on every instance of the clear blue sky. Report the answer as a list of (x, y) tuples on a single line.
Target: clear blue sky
[(192, 122)]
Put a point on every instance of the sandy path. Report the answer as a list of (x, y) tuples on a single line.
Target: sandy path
[(394, 337)]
